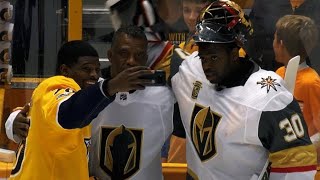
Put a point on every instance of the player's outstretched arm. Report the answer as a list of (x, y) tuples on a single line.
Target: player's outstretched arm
[(17, 124), (83, 106)]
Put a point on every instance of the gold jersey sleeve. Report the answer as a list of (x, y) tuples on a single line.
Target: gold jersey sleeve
[(50, 151)]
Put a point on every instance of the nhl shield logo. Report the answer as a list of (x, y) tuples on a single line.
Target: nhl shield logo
[(203, 127), (196, 88), (120, 151), (123, 97)]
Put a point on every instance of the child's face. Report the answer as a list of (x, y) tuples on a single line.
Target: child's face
[(191, 11)]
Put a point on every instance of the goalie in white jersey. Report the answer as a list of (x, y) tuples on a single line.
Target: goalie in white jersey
[(237, 116)]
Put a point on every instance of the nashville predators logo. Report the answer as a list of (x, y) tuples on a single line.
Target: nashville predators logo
[(203, 125), (63, 93), (196, 88), (120, 151)]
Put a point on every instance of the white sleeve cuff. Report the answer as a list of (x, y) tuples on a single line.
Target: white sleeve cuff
[(9, 127)]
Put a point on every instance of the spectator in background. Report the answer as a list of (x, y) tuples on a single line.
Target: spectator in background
[(170, 11), (298, 35), (191, 10), (264, 16)]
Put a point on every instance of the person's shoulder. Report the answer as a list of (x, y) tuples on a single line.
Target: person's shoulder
[(309, 77), (281, 71), (192, 65), (57, 82), (54, 80), (190, 71), (265, 90), (60, 80)]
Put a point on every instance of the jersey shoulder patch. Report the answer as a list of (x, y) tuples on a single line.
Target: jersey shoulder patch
[(265, 91)]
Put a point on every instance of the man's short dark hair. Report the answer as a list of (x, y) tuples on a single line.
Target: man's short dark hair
[(132, 31), (70, 52)]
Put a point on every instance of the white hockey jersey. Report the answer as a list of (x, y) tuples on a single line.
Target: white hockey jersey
[(127, 135), (233, 132)]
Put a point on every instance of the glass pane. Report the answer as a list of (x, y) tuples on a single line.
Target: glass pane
[(39, 30), (97, 27)]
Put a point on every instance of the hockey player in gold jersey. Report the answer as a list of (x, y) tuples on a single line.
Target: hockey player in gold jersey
[(56, 146)]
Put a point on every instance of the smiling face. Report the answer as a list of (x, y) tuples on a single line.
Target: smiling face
[(85, 72), (217, 61), (191, 11), (127, 52)]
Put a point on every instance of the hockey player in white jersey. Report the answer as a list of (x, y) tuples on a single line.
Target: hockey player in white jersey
[(128, 134), (236, 115)]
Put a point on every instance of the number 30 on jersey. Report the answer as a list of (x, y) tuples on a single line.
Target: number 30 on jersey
[(293, 126)]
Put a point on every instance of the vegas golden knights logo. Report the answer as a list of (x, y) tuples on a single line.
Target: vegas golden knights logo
[(196, 88), (120, 151), (203, 125)]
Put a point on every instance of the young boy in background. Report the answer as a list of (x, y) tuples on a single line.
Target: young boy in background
[(297, 35)]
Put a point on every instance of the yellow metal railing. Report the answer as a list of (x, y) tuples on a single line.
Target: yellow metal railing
[(75, 20)]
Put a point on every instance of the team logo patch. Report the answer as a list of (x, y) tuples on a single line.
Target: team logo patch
[(268, 83), (203, 126), (63, 93), (196, 88), (123, 97), (120, 151)]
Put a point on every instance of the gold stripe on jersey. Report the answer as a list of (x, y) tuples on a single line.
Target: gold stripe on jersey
[(294, 157)]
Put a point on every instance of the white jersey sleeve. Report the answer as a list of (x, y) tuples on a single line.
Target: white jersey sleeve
[(9, 127)]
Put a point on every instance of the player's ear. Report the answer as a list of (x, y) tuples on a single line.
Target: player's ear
[(281, 43), (64, 70)]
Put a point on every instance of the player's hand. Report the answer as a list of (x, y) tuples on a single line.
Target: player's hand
[(129, 79), (21, 123)]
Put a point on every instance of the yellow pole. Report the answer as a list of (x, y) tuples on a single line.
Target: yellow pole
[(75, 20)]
